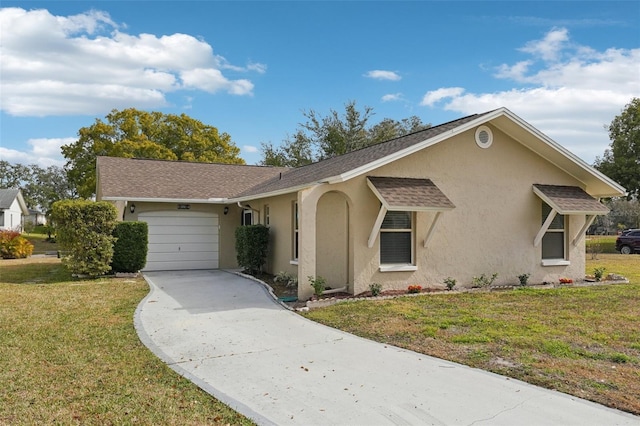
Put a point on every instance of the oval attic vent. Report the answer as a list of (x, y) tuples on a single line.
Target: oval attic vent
[(484, 137)]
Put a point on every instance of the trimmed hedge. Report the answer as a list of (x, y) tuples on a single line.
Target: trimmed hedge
[(252, 242), (84, 231), (130, 248)]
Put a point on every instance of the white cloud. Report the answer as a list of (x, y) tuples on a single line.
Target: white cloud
[(44, 152), (434, 96), (392, 97), (550, 47), (383, 75), (569, 92), (85, 64), (249, 148)]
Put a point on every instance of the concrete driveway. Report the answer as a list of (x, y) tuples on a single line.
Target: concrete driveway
[(226, 334)]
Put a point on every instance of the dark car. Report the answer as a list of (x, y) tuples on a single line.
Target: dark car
[(629, 242)]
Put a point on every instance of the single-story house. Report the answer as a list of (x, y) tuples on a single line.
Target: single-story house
[(35, 218), (12, 209), (484, 194)]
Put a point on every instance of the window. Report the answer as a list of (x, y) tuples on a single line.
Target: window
[(266, 215), (1, 218), (294, 219), (396, 238), (247, 217), (553, 241)]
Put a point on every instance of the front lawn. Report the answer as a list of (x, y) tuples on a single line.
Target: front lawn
[(69, 354), (584, 341)]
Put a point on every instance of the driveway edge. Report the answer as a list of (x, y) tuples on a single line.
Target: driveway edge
[(207, 387)]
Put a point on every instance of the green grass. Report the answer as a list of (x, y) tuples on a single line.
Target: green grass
[(578, 340), (69, 354), (600, 244), (40, 243)]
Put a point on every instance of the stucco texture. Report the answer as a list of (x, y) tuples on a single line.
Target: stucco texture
[(491, 229)]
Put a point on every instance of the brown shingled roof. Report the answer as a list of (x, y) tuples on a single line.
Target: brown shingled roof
[(147, 179), (569, 199), (335, 166), (409, 194)]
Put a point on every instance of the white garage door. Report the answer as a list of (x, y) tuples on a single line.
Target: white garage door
[(181, 240)]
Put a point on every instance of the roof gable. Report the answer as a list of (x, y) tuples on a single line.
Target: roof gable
[(8, 196)]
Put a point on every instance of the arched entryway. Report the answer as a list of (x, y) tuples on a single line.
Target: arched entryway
[(333, 246)]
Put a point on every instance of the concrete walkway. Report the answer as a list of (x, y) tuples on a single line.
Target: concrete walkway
[(226, 334)]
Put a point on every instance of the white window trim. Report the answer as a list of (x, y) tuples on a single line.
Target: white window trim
[(544, 229), (295, 233), (555, 262), (397, 268), (390, 267)]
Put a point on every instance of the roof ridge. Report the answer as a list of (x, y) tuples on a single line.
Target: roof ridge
[(196, 162)]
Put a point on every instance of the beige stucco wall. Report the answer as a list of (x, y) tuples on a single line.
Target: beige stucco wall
[(491, 230)]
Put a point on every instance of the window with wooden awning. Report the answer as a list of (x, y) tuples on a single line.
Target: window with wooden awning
[(560, 201), (400, 199)]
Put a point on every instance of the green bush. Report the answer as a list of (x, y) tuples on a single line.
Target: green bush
[(252, 242), (130, 247), (14, 246), (84, 231)]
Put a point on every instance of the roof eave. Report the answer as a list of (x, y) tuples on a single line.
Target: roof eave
[(170, 200)]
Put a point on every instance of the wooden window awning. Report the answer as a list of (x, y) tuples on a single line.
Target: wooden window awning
[(407, 194)]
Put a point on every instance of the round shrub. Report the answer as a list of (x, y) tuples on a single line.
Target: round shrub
[(130, 248)]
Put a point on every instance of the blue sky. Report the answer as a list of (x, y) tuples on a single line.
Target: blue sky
[(251, 68)]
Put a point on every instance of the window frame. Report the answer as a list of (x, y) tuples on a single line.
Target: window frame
[(295, 233), (564, 231), (267, 218), (399, 266)]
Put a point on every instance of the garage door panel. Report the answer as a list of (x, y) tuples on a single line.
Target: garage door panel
[(181, 265), (181, 240), (172, 221), (171, 248), (182, 256)]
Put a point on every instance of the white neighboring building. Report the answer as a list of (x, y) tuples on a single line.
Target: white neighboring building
[(12, 209)]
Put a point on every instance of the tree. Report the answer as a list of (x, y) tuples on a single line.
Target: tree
[(131, 133), (40, 187), (621, 162), (327, 136)]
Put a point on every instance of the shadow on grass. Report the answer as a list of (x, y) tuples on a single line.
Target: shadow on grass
[(33, 273)]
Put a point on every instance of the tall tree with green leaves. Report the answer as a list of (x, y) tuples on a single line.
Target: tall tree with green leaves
[(621, 161), (132, 133), (321, 137)]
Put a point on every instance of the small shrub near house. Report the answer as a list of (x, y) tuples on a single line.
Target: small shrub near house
[(130, 247), (84, 231), (252, 242), (483, 281), (318, 283), (415, 288), (14, 246)]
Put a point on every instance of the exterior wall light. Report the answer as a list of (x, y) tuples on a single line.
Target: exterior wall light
[(226, 209), (132, 208)]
